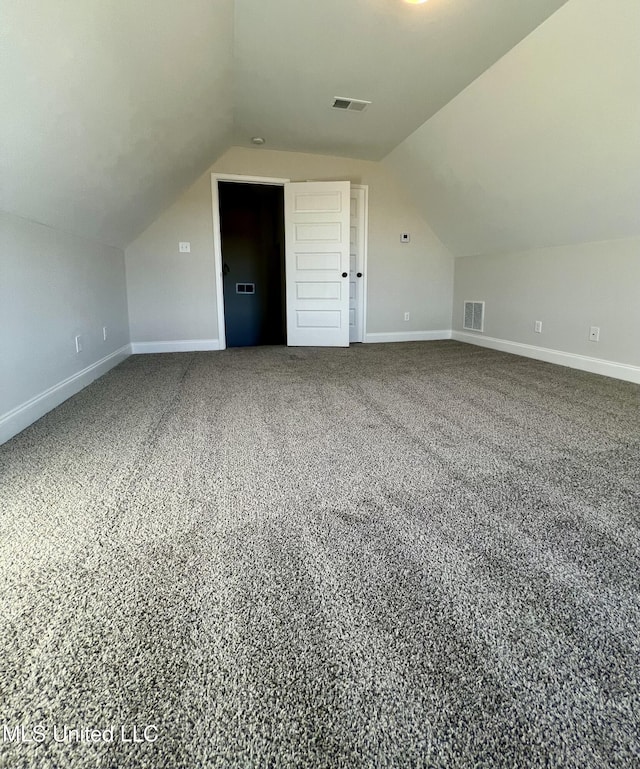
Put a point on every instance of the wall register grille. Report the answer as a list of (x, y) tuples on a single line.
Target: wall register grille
[(473, 316)]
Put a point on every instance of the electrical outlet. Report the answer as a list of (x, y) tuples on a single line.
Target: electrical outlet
[(104, 333), (594, 334), (407, 315), (78, 343), (184, 247), (538, 327)]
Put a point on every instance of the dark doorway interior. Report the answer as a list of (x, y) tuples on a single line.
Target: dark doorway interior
[(252, 234)]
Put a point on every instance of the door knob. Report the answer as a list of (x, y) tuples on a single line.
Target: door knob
[(344, 274), (359, 274)]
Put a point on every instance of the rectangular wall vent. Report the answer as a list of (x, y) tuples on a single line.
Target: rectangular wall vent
[(473, 316), (355, 105)]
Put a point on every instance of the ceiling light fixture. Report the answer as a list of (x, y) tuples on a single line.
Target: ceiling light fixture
[(415, 2), (257, 140)]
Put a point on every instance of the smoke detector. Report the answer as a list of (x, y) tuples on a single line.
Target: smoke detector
[(345, 103)]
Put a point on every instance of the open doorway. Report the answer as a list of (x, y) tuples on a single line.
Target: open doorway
[(321, 303), (253, 263)]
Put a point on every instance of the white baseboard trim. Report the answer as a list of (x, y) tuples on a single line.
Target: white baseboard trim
[(609, 368), (27, 413), (406, 336), (180, 345)]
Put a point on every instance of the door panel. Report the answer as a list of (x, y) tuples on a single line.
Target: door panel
[(330, 260), (330, 232), (317, 230), (318, 318), (317, 203), (317, 290)]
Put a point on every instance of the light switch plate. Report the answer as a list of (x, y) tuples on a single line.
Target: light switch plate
[(405, 237)]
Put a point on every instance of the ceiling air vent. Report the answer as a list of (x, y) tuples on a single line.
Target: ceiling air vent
[(355, 105), (473, 316)]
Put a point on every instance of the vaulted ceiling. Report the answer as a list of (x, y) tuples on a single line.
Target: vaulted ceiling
[(544, 148), (112, 107), (292, 58)]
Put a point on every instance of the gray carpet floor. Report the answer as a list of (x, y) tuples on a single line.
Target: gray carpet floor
[(411, 555)]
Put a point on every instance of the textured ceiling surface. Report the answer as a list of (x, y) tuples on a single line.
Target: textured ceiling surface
[(111, 107)]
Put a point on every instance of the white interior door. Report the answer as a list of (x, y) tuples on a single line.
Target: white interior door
[(317, 233), (356, 265)]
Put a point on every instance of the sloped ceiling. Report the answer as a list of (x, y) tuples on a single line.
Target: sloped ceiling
[(110, 108), (293, 57), (543, 149)]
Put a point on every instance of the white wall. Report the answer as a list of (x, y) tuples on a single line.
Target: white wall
[(569, 289), (54, 285), (110, 109), (172, 296), (532, 175), (543, 149)]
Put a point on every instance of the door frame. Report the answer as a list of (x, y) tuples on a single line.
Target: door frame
[(217, 239)]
